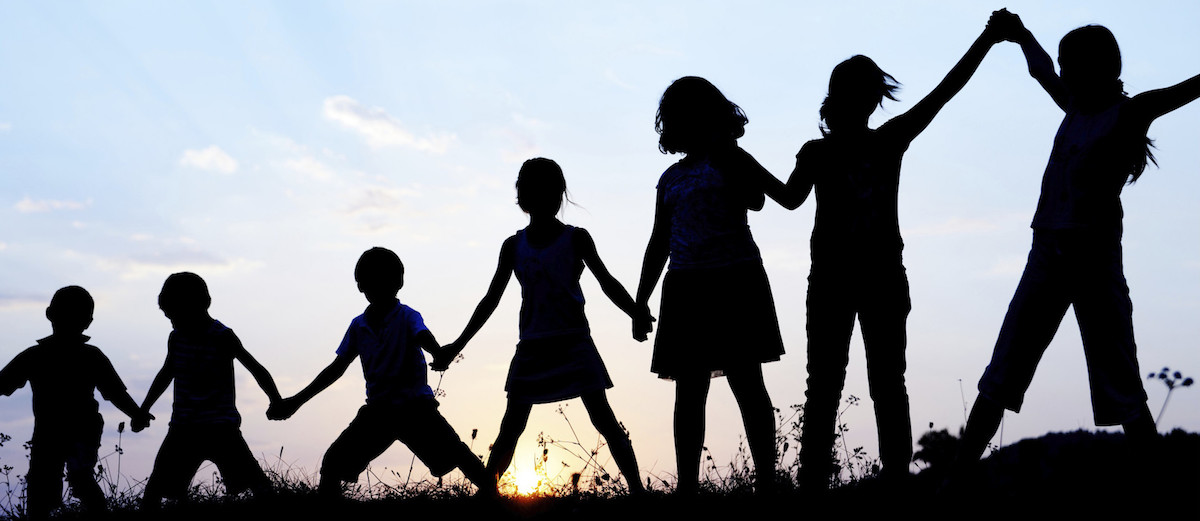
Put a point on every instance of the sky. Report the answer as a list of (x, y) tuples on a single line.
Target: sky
[(265, 145)]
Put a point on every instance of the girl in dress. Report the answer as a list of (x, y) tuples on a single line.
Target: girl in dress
[(1075, 259), (556, 359), (717, 315)]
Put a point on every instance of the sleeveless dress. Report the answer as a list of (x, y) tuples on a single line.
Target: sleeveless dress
[(556, 359)]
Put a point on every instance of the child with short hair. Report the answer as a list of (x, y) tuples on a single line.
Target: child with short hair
[(388, 337), (205, 424), (63, 372)]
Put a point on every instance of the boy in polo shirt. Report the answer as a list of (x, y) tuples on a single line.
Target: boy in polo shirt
[(388, 338), (64, 372)]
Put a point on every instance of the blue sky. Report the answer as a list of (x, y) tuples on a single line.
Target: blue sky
[(264, 145)]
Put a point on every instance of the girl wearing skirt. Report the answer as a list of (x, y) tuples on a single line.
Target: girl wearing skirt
[(717, 316), (555, 359)]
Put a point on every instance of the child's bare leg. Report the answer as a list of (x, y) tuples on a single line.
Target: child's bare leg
[(758, 416), (606, 423), (981, 427), (511, 427), (691, 394)]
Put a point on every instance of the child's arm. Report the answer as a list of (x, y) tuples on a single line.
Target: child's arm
[(1150, 105), (585, 246), (1041, 66), (910, 124), (655, 259), (157, 388), (483, 311), (286, 407), (744, 164), (113, 389), (260, 373)]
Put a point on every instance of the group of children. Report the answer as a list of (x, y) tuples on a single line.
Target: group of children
[(717, 315)]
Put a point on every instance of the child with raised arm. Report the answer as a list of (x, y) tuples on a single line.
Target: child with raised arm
[(388, 337), (205, 424), (856, 254), (1076, 259), (717, 316), (64, 372), (556, 359)]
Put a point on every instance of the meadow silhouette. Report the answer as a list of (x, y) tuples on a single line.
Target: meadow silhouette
[(719, 316)]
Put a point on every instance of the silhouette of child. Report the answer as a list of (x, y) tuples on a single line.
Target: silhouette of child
[(556, 359), (856, 254), (205, 424), (717, 315), (1075, 259), (63, 372), (388, 337)]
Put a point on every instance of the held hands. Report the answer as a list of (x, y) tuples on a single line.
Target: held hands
[(282, 409), (141, 422), (643, 323), (1004, 25), (443, 358)]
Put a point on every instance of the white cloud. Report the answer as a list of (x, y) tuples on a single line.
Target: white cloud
[(16, 302), (211, 158), (161, 264), (309, 165), (5, 126), (380, 199), (379, 128), (28, 205)]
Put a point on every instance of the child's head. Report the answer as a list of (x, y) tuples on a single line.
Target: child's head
[(856, 87), (70, 310), (184, 295), (379, 274), (1089, 62), (693, 115), (541, 186)]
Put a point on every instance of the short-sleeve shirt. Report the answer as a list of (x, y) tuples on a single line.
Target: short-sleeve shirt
[(857, 185), (201, 363), (63, 374), (393, 365), (709, 228), (1092, 158)]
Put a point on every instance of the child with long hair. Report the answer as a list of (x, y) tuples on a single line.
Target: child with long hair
[(1075, 259), (717, 315), (556, 359), (857, 267)]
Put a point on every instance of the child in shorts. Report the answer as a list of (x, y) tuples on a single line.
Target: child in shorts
[(205, 424), (388, 337), (64, 372)]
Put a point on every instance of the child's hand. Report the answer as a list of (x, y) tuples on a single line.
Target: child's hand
[(442, 359), (643, 324), (282, 409), (140, 423), (1005, 26)]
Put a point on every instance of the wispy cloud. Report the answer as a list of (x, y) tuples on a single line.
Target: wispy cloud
[(29, 205), (211, 158), (379, 128), (380, 199), (5, 126), (163, 263), (523, 145), (11, 302), (309, 166)]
